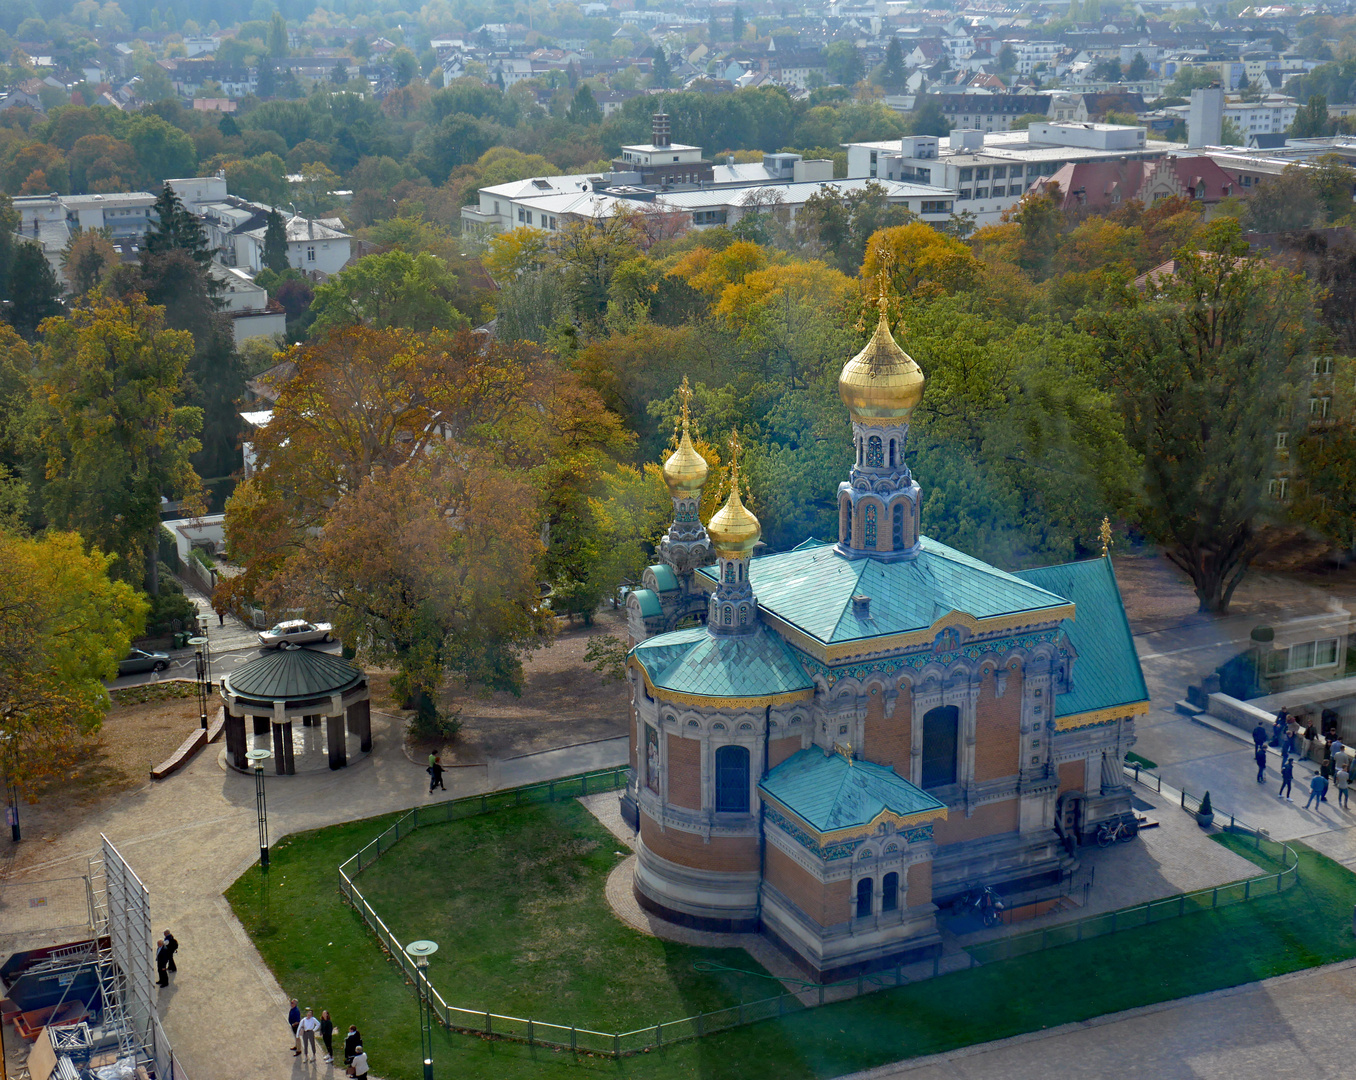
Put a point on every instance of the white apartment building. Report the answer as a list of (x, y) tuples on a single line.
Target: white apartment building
[(1031, 53), (990, 171), (247, 305)]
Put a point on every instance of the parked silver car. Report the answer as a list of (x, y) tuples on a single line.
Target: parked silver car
[(139, 660), (296, 631)]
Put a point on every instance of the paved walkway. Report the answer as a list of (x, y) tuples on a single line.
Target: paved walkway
[(1288, 1028), (191, 835)]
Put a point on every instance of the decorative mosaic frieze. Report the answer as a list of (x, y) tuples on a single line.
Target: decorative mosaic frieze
[(972, 650)]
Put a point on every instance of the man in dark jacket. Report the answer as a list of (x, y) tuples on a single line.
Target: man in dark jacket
[(172, 944), (1261, 758), (1259, 735), (162, 959)]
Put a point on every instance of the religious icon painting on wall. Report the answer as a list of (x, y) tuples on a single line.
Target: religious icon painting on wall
[(652, 759)]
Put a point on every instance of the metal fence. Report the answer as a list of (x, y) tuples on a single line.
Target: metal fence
[(808, 994), (33, 909)]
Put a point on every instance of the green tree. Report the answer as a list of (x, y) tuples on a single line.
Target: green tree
[(928, 118), (404, 65), (893, 74), (112, 435), (843, 60), (175, 229), (315, 191), (1007, 59), (277, 36), (1311, 119), (584, 109), (275, 243), (1326, 500), (737, 25), (389, 289), (1188, 79), (259, 178), (1201, 366), (1231, 134), (1139, 68), (64, 625), (88, 258), (339, 74), (660, 74), (163, 151), (35, 292)]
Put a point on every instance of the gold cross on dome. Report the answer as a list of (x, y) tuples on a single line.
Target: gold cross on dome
[(1105, 534), (734, 459), (685, 401)]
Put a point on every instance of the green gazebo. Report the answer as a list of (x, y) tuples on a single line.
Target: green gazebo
[(296, 683)]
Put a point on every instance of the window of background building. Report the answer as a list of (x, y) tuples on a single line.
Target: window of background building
[(941, 730)]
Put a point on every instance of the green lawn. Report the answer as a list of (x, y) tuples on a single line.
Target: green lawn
[(535, 938)]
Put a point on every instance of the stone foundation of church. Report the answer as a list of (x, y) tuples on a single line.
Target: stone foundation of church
[(701, 899)]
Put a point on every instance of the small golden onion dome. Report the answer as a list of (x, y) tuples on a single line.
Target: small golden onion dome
[(733, 529), (881, 382), (685, 471)]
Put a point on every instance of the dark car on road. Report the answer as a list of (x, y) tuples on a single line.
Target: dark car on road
[(139, 660)]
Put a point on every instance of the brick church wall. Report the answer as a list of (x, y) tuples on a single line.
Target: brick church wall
[(989, 820), (919, 883), (721, 853), (1073, 776), (890, 742), (998, 735), (685, 772), (778, 750), (825, 904)]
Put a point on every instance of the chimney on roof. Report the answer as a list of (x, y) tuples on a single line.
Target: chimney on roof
[(659, 129), (310, 228), (861, 606)]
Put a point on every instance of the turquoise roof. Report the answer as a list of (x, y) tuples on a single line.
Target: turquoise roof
[(1107, 672), (648, 601), (829, 794), (811, 587), (664, 577), (695, 661), (292, 674)]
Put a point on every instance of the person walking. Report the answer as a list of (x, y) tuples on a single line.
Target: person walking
[(1259, 735), (1326, 771), (1287, 776), (351, 1043), (1318, 786), (1310, 734), (294, 1022), (1343, 781), (327, 1034), (162, 959), (358, 1070), (308, 1027), (1260, 756), (435, 775), (172, 944)]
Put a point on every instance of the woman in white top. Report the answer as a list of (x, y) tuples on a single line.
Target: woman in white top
[(307, 1028)]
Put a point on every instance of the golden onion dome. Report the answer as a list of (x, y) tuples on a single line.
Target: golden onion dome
[(733, 529), (685, 471), (882, 382)]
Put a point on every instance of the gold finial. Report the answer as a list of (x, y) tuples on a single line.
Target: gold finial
[(734, 460), (685, 470), (685, 401), (733, 529), (844, 748), (1105, 533)]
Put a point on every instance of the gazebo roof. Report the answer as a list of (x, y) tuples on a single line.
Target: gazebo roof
[(292, 674)]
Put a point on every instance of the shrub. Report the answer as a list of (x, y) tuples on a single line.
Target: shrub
[(169, 606), (1205, 805)]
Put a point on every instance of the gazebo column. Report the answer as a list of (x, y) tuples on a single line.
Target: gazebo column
[(334, 733), (282, 741), (261, 725), (360, 723), (236, 743)]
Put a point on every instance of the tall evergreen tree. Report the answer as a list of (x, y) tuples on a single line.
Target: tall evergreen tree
[(339, 75), (584, 109), (277, 36), (275, 243), (892, 74), (35, 293), (1311, 120), (176, 229), (661, 74), (737, 25)]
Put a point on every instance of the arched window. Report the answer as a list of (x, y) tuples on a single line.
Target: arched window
[(869, 533), (845, 521), (729, 616), (865, 888), (892, 453), (875, 455), (740, 574), (859, 451), (889, 892), (732, 780), (898, 528), (941, 728), (743, 616), (730, 572)]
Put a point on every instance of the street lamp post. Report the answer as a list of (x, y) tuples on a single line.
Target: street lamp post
[(10, 740), (257, 758), (419, 952), (203, 623), (200, 673)]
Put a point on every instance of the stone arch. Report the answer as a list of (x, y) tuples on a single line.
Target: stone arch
[(845, 518)]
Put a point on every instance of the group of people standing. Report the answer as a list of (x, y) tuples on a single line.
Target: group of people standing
[(1335, 770), (306, 1027), (165, 948)]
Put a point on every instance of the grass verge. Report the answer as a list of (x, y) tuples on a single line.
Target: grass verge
[(322, 954)]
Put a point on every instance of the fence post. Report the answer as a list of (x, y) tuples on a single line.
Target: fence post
[(1247, 889), (1278, 882), (483, 807), (585, 781), (489, 1027), (1184, 798), (551, 792), (573, 1039), (1214, 897), (616, 1046), (529, 1032), (659, 1034)]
